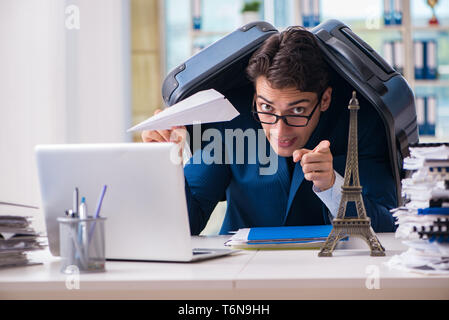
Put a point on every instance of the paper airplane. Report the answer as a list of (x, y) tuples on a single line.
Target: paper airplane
[(203, 107)]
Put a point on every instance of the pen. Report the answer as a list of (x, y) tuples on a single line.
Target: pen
[(82, 229), (97, 212), (100, 201), (79, 250), (75, 201)]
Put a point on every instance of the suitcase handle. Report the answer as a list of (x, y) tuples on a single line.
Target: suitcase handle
[(364, 73), (344, 50)]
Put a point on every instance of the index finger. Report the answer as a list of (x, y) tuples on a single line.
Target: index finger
[(316, 157), (298, 154), (323, 146)]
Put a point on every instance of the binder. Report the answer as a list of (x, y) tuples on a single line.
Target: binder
[(393, 51), (420, 115), (418, 51), (388, 52), (397, 12), (393, 12), (196, 14), (437, 211), (398, 56), (426, 109), (431, 114), (291, 233), (287, 237), (387, 13), (425, 59), (431, 59), (306, 13), (315, 13)]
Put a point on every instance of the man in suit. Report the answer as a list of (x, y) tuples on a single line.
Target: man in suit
[(301, 107)]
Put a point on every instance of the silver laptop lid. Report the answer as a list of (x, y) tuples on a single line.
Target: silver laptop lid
[(145, 202)]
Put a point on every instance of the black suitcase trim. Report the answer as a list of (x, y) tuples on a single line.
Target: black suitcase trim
[(368, 73), (352, 58), (170, 93)]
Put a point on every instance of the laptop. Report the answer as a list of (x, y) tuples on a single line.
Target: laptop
[(145, 203)]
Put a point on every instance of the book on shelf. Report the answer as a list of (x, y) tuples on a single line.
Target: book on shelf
[(393, 12), (196, 14), (418, 52), (425, 59), (393, 53), (426, 109), (310, 13)]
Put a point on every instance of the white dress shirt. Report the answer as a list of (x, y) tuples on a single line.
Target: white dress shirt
[(332, 196)]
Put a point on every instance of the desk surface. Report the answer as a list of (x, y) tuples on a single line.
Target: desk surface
[(276, 274)]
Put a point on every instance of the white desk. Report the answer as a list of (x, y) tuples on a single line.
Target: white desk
[(278, 274)]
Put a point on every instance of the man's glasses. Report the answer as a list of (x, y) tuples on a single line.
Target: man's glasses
[(290, 120)]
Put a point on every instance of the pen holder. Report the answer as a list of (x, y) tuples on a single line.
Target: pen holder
[(82, 244)]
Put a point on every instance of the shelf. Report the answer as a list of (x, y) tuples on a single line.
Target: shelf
[(431, 28), (401, 28), (393, 28), (431, 83), (432, 139), (201, 33), (443, 110)]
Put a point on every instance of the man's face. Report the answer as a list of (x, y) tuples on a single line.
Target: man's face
[(285, 139)]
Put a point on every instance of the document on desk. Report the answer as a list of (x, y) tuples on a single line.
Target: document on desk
[(203, 107), (290, 237)]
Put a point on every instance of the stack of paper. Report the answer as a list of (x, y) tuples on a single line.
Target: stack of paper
[(17, 237), (292, 237), (423, 222)]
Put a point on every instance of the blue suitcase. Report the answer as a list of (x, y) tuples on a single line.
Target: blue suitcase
[(221, 66)]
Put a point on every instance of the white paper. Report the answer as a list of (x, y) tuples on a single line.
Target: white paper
[(430, 153), (203, 107), (423, 255)]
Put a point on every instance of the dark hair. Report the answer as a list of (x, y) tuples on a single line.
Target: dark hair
[(291, 58)]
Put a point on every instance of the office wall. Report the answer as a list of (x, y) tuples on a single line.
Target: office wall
[(59, 83), (98, 79)]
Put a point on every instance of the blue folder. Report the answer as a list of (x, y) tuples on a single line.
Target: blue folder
[(291, 237), (291, 233), (436, 210)]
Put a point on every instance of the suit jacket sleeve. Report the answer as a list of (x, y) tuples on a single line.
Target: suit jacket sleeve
[(205, 185)]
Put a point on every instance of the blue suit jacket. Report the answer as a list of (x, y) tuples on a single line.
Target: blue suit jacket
[(255, 200)]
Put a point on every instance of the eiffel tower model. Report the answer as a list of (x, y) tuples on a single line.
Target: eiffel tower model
[(357, 226)]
